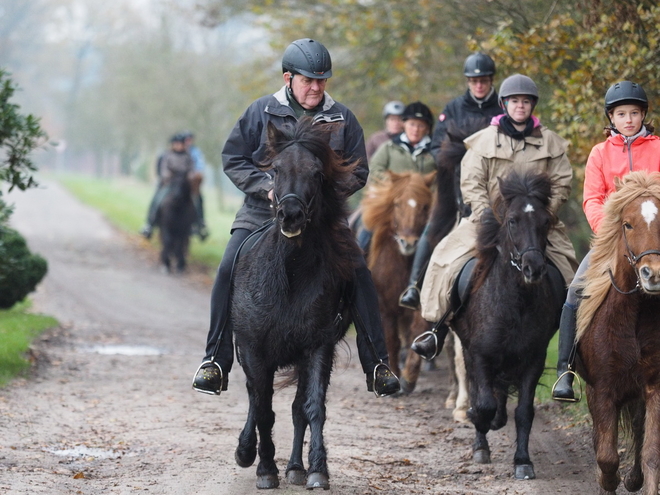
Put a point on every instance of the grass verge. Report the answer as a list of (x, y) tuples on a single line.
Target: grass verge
[(18, 329)]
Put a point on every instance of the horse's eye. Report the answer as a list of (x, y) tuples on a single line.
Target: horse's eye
[(627, 226)]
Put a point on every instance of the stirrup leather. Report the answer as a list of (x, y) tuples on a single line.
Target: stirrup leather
[(210, 392), (435, 338), (569, 371)]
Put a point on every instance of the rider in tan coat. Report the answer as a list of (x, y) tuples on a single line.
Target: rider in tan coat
[(515, 141)]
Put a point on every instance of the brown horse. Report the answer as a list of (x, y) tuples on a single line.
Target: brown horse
[(618, 339), (396, 210)]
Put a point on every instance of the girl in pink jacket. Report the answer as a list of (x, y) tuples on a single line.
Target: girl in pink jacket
[(630, 146)]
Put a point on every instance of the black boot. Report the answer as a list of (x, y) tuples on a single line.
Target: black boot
[(383, 381), (563, 387), (210, 379), (410, 297), (429, 344)]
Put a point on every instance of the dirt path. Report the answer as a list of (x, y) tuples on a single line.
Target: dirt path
[(109, 407)]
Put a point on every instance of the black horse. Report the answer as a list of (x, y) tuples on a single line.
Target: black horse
[(176, 215), (288, 298), (512, 313)]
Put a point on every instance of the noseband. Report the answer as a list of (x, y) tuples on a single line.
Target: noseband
[(516, 256), (633, 260), (306, 207)]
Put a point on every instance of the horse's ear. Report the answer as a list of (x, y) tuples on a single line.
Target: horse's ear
[(618, 182), (272, 132), (430, 178)]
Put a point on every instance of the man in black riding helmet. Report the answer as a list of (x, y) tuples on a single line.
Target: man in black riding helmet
[(480, 101), (306, 66)]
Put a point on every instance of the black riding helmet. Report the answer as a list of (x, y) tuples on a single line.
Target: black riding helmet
[(625, 93), (418, 110), (479, 64), (309, 58)]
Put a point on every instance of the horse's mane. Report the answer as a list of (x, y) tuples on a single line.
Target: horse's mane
[(448, 160), (315, 138), (378, 205), (529, 185), (596, 282)]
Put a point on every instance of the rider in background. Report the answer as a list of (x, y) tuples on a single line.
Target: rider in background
[(393, 127), (306, 66), (630, 146), (515, 141), (175, 160), (199, 227), (480, 101), (409, 151)]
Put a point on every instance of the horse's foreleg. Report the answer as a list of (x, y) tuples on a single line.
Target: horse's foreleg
[(265, 418), (295, 470), (651, 447), (605, 416), (635, 478), (246, 451), (524, 416), (462, 397), (392, 340), (450, 401), (320, 367), (484, 405)]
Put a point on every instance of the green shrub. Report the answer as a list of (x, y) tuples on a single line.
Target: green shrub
[(20, 270)]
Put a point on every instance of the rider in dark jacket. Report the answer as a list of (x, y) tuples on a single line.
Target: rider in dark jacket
[(480, 101), (306, 65)]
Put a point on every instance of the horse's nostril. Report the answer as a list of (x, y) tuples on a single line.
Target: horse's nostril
[(645, 272)]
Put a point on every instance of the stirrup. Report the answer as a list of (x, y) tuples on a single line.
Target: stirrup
[(204, 391), (435, 338), (565, 399), (374, 378)]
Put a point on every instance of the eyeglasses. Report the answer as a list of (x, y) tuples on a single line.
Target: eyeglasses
[(475, 81)]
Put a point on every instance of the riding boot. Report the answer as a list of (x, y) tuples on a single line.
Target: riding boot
[(370, 340), (410, 297), (429, 344), (563, 388), (364, 239), (152, 216)]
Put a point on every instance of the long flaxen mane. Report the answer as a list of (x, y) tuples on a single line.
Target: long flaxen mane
[(597, 281), (379, 203)]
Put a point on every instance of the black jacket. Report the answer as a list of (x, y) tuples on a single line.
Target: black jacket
[(246, 147), (460, 110)]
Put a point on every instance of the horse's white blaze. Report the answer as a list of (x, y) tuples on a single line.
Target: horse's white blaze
[(649, 212), (412, 203), (529, 209)]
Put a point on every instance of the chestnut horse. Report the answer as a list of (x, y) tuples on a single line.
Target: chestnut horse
[(396, 210), (618, 338)]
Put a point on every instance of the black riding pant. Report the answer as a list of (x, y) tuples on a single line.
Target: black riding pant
[(366, 314)]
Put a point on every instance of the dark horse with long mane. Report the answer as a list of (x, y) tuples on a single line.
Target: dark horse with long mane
[(176, 215), (512, 313), (396, 210), (618, 338), (288, 307)]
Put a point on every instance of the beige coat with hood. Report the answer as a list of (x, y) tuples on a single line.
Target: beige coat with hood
[(492, 154)]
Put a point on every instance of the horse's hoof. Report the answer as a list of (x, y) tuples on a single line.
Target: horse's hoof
[(524, 472), (406, 386), (317, 480), (633, 481), (296, 477), (481, 456), (246, 459), (460, 416), (267, 481)]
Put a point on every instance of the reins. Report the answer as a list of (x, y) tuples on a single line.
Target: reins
[(632, 260)]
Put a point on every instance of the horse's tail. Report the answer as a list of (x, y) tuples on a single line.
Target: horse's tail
[(448, 164), (631, 420), (286, 378)]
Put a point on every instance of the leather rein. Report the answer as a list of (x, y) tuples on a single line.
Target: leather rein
[(633, 260), (516, 256)]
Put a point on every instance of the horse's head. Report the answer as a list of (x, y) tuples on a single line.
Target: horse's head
[(411, 207), (305, 173), (524, 221), (639, 240)]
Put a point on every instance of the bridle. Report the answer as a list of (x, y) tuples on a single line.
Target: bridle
[(633, 259), (516, 256), (306, 207)]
